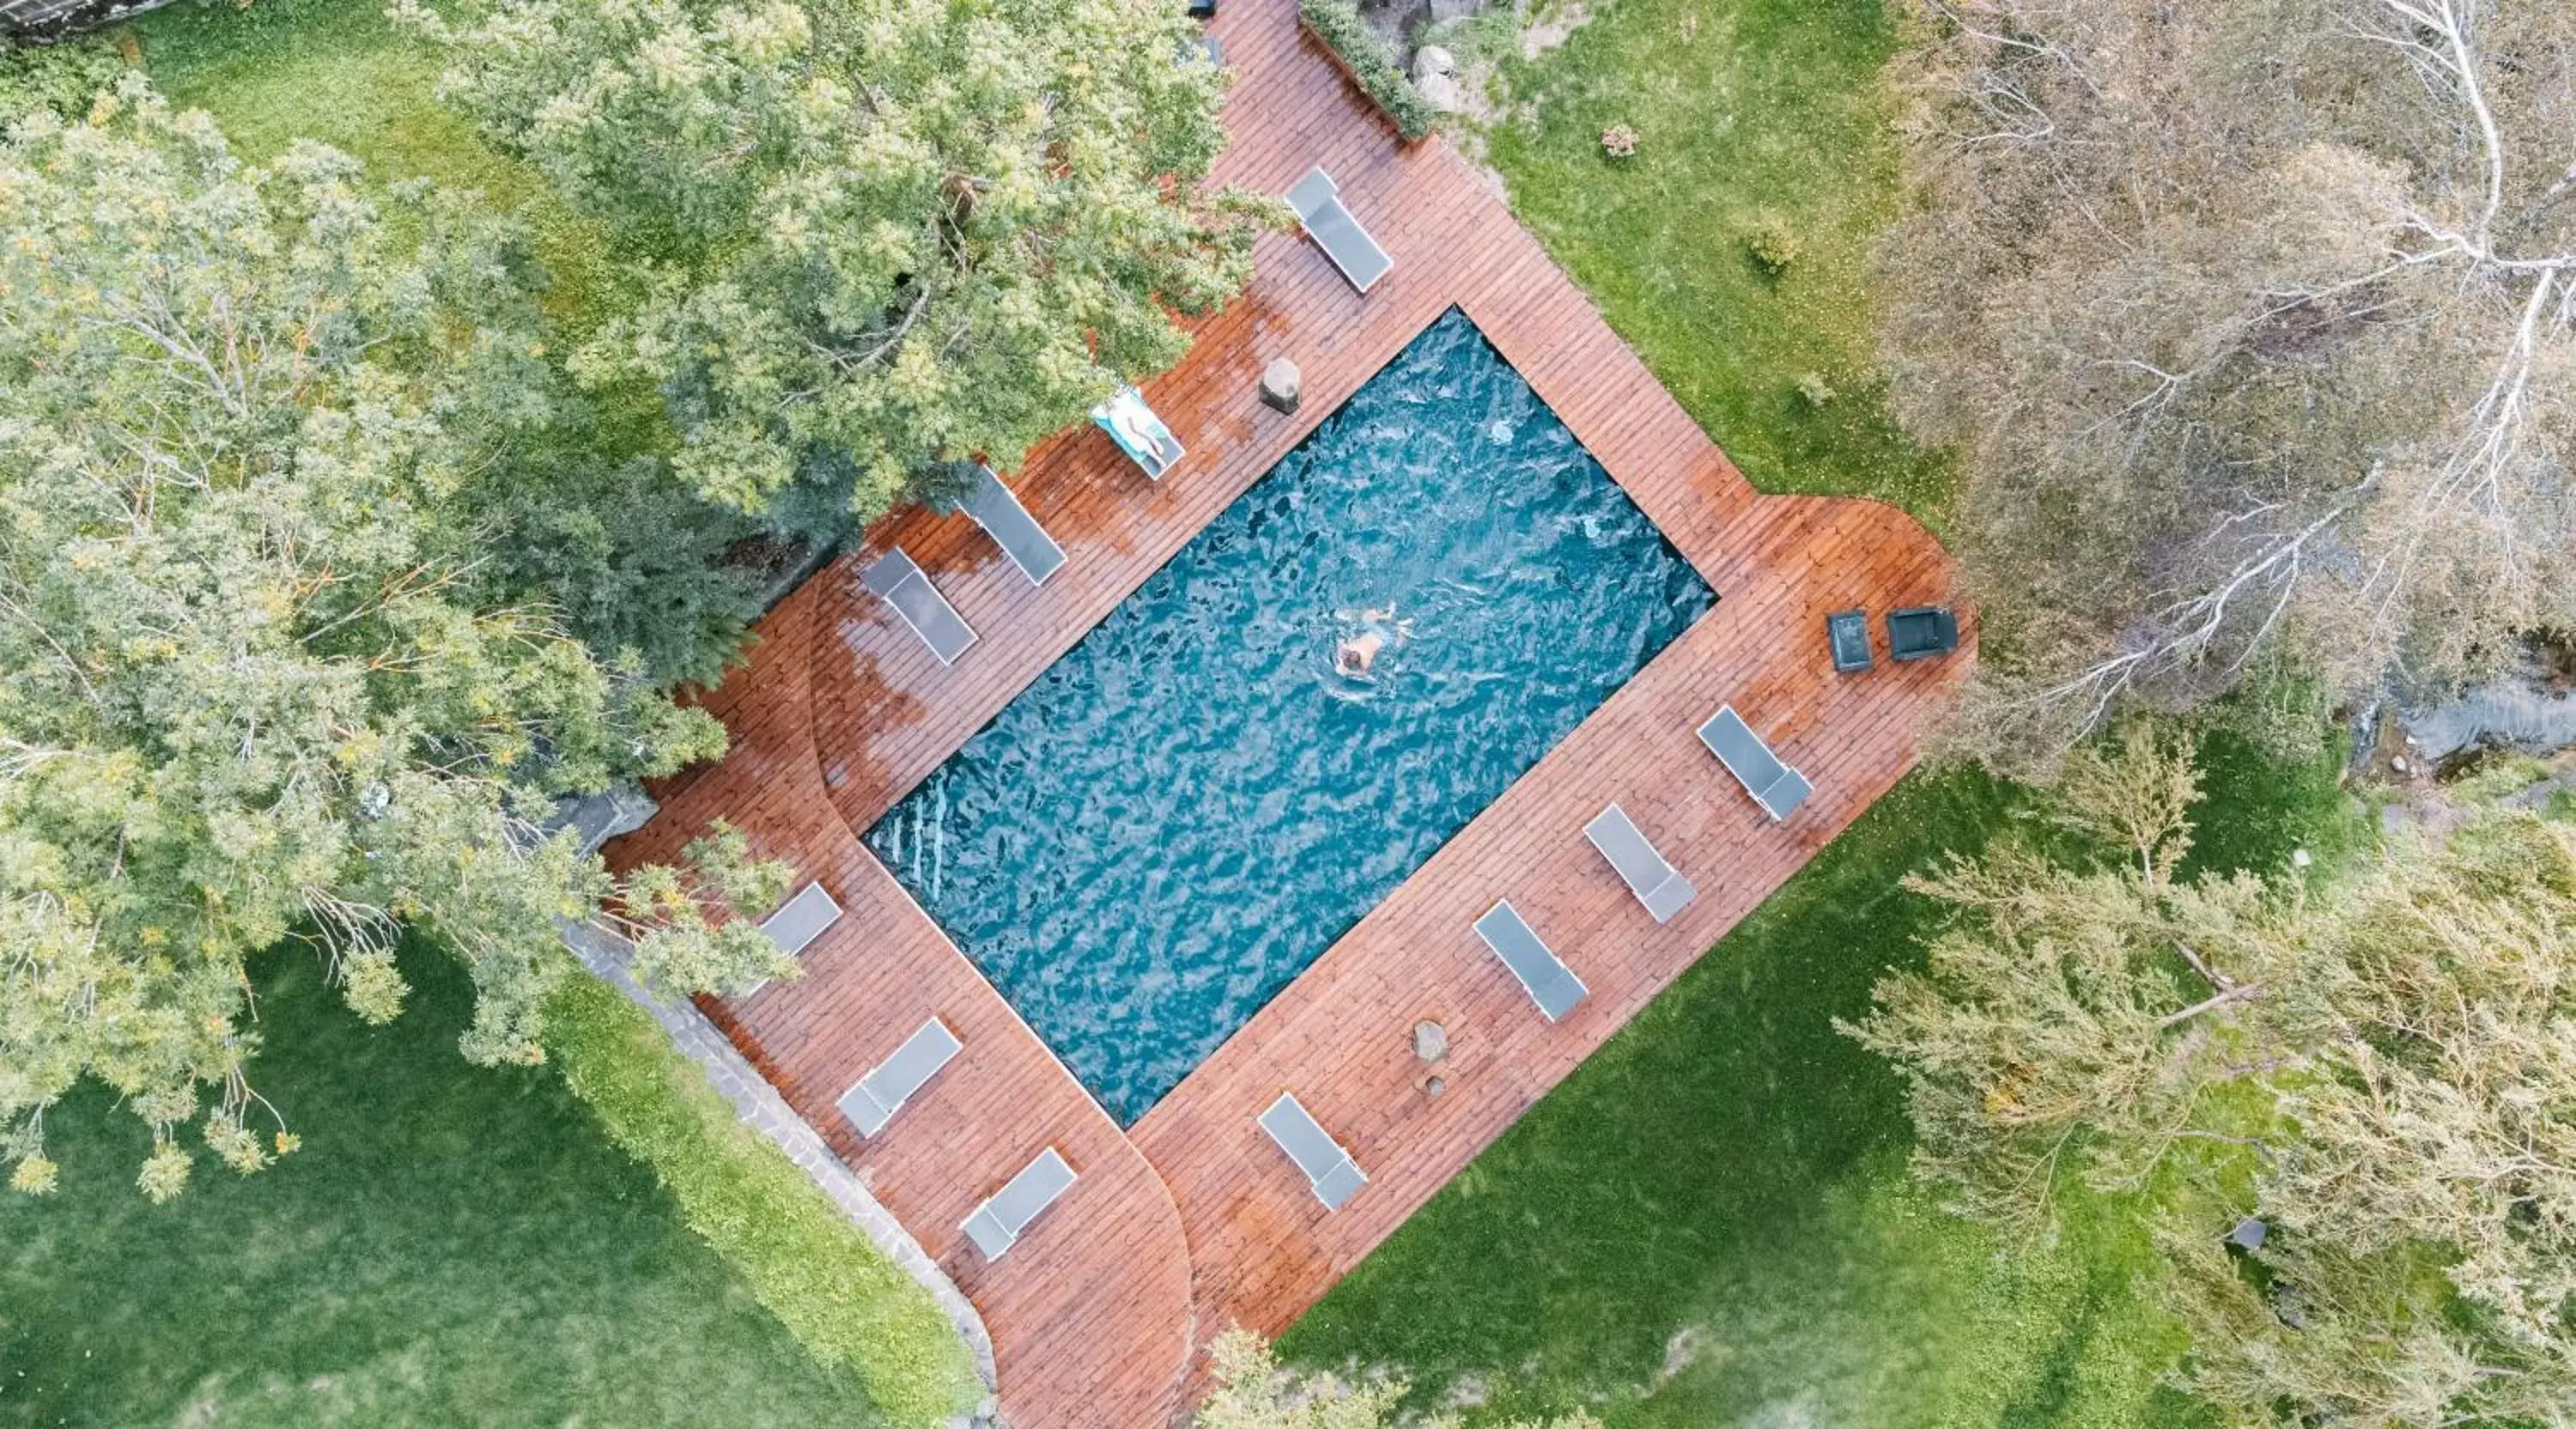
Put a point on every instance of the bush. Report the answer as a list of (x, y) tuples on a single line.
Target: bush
[(1815, 389), (1775, 245), (853, 1308), (1380, 69), (64, 78)]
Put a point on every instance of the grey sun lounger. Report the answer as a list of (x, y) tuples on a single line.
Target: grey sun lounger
[(1139, 432), (906, 587), (874, 1099), (1654, 880), (801, 919), (1549, 982), (997, 1224), (1329, 1169), (1778, 788), (1318, 202), (1012, 527)]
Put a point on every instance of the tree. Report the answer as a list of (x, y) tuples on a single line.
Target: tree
[(874, 238), (2253, 327), (2390, 1066), (1253, 1392), (255, 682)]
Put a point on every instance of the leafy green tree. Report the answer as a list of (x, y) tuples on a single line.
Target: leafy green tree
[(2389, 1066), (253, 684), (873, 237)]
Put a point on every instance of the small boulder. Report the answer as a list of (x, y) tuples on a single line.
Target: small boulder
[(1282, 386), (1444, 11), (1430, 1041), (1430, 61), (1442, 93)]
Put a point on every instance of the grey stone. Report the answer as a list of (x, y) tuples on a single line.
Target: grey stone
[(1430, 1041), (1282, 385), (2248, 1234), (1444, 11), (1432, 60), (1442, 93)]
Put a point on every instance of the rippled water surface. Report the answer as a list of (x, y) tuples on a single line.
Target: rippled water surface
[(1192, 804)]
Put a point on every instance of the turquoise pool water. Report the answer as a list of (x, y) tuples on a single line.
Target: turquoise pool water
[(1192, 804)]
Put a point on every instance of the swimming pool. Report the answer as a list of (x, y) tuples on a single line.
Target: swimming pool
[(1188, 808)]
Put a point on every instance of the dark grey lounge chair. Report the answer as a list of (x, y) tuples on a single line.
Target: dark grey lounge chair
[(1549, 982), (1921, 631), (1654, 880), (997, 1224), (1329, 1169), (875, 1098), (1012, 527), (1318, 202), (906, 587), (1847, 636), (801, 919), (1778, 788)]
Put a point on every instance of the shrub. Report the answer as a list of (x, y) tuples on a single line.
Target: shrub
[(1379, 68), (1619, 141), (1775, 245), (853, 1308), (64, 78), (1815, 389)]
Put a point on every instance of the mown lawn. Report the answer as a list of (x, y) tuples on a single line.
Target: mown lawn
[(1711, 1222), (453, 1245), (1747, 112), (337, 71)]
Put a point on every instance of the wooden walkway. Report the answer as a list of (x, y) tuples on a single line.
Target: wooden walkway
[(1194, 1220)]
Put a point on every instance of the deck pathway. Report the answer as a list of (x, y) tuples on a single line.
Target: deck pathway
[(1194, 1221)]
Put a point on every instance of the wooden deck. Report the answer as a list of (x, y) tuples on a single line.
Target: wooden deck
[(1193, 1220)]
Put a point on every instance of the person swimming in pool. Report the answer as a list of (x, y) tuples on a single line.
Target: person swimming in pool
[(1358, 653)]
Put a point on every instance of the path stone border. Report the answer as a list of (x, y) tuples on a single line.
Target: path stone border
[(760, 1106)]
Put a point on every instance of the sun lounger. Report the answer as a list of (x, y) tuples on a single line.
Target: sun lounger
[(801, 919), (1329, 1169), (997, 1224), (1138, 432), (1318, 202), (1012, 527), (1921, 631), (1778, 788), (906, 587), (876, 1097), (1657, 884), (1549, 982), (1847, 636)]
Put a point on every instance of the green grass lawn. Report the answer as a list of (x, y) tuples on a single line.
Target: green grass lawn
[(454, 1245), (337, 71), (1747, 112)]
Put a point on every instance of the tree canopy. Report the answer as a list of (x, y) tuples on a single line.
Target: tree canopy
[(257, 680), (872, 238), (2390, 1065), (2253, 327)]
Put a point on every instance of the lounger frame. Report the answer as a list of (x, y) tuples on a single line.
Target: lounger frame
[(1774, 785), (1543, 975), (872, 1100), (1642, 866), (998, 510), (802, 919), (906, 586), (1005, 1216), (1329, 1169), (1318, 202)]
